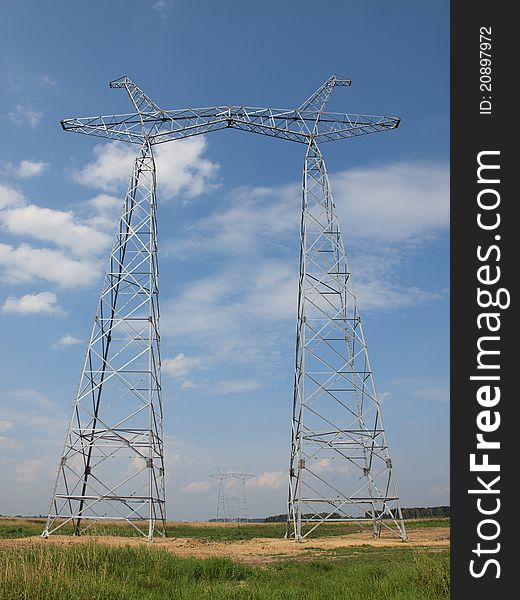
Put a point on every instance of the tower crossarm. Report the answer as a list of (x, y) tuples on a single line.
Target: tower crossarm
[(123, 128), (318, 100), (141, 101), (293, 125), (332, 126)]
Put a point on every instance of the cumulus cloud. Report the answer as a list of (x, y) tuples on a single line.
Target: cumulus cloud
[(110, 169), (80, 241), (25, 169), (33, 304), (103, 212), (69, 340), (272, 480), (196, 487), (182, 169), (323, 465), (25, 115), (30, 168), (10, 197), (5, 425), (26, 264), (180, 365), (58, 227), (393, 202)]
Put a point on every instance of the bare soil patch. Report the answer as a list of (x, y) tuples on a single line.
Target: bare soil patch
[(256, 551)]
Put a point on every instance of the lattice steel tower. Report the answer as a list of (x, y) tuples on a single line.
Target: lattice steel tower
[(340, 466), (224, 512), (112, 466)]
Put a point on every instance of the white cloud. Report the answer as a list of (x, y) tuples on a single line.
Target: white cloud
[(28, 471), (180, 365), (33, 304), (103, 212), (393, 202), (111, 168), (161, 6), (25, 115), (249, 219), (189, 385), (273, 480), (30, 168), (322, 466), (55, 226), (5, 425), (224, 301), (81, 239), (196, 487), (69, 340), (25, 264), (10, 197), (25, 169), (45, 79), (386, 213), (182, 171), (104, 202), (181, 168)]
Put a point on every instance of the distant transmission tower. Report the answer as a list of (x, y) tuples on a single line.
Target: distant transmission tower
[(221, 500), (224, 503), (340, 466)]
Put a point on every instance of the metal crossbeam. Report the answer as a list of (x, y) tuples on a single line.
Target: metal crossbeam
[(297, 125), (294, 125)]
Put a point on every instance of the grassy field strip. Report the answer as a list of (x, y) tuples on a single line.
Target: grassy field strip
[(93, 571), (17, 528)]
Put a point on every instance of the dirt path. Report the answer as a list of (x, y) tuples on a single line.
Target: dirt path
[(255, 551)]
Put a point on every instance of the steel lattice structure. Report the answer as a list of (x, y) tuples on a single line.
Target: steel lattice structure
[(336, 412), (223, 501)]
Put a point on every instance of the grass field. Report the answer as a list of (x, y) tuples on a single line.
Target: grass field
[(95, 569), (98, 572), (16, 528)]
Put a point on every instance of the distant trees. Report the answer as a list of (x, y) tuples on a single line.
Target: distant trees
[(429, 512)]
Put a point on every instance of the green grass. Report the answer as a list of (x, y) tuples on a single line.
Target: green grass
[(94, 571), (31, 527)]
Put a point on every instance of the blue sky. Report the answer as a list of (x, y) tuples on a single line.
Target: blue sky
[(228, 223)]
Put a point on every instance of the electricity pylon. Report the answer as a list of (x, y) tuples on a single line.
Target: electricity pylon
[(223, 502), (330, 424), (112, 465)]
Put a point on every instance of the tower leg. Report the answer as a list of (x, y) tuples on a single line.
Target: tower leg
[(112, 466), (340, 467)]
